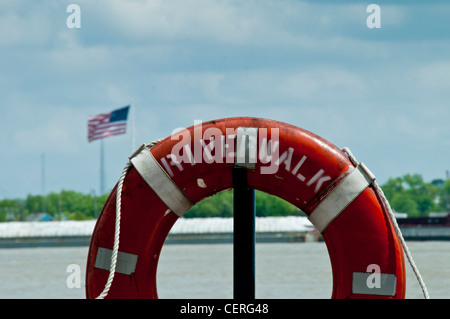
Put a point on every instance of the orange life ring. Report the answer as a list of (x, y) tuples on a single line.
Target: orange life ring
[(311, 174)]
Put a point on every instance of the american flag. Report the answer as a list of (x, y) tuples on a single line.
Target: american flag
[(108, 124)]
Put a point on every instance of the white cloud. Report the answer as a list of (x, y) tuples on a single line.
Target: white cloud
[(24, 26), (315, 83), (257, 88), (435, 75), (70, 56), (318, 85), (235, 23), (52, 129), (203, 84)]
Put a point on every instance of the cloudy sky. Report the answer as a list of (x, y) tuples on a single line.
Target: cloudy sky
[(315, 64)]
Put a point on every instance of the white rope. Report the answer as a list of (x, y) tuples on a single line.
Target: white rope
[(112, 268), (396, 227)]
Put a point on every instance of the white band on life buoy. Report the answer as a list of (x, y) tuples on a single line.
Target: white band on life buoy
[(161, 183), (246, 146), (340, 197)]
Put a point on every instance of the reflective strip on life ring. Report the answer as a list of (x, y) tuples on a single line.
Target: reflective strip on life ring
[(387, 284), (281, 159), (126, 263)]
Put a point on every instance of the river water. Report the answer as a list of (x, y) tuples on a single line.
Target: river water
[(283, 270)]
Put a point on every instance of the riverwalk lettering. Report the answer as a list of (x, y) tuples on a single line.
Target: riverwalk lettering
[(243, 146), (286, 159)]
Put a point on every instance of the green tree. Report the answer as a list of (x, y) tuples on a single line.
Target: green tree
[(73, 204), (410, 194), (444, 200), (405, 203), (34, 203), (393, 186), (12, 207), (407, 194), (221, 205), (269, 205)]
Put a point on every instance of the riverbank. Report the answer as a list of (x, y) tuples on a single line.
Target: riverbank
[(185, 231), (189, 238), (189, 231)]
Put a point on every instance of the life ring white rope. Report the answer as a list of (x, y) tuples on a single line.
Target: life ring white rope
[(395, 224), (115, 251)]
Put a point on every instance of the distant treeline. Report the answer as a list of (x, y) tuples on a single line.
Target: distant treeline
[(407, 194), (78, 206), (64, 205), (411, 195)]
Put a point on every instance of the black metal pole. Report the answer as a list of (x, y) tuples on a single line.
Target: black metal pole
[(244, 236)]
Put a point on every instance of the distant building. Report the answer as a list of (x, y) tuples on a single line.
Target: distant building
[(10, 217), (39, 217), (400, 215), (437, 214), (60, 216)]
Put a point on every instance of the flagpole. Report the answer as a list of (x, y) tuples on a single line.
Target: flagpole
[(43, 181), (132, 127), (102, 167)]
